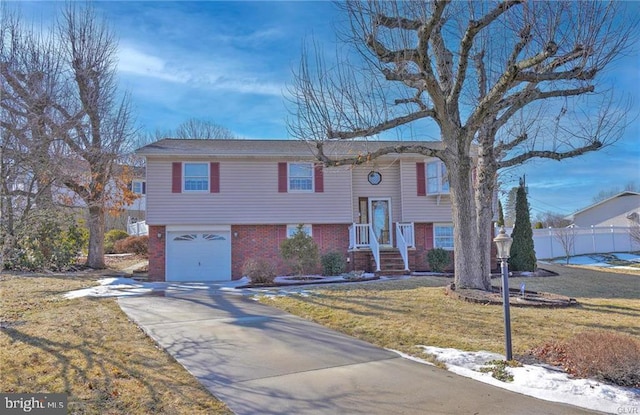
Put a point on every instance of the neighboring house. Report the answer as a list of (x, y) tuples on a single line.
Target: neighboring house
[(119, 214), (622, 209), (213, 204)]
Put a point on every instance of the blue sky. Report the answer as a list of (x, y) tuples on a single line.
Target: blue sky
[(231, 63)]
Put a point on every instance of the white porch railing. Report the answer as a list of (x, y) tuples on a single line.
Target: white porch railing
[(404, 239), (359, 236), (406, 229), (138, 228)]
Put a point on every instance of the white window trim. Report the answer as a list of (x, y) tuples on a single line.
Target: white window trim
[(444, 224), (439, 177), (184, 177), (141, 183), (306, 227), (313, 184)]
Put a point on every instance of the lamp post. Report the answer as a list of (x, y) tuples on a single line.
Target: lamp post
[(503, 243)]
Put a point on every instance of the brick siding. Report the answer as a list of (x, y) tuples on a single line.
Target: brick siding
[(157, 253), (263, 241)]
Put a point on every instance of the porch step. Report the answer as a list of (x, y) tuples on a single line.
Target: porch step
[(391, 262)]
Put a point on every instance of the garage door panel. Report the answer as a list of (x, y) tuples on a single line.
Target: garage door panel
[(198, 256)]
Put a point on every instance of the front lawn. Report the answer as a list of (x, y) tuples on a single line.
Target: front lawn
[(88, 349), (404, 313)]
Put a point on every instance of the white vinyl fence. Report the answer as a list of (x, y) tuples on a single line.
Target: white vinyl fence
[(138, 228), (551, 242)]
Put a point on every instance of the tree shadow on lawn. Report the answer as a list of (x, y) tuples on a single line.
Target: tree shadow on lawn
[(101, 365)]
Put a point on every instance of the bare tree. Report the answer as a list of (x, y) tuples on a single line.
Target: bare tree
[(566, 237), (193, 128), (516, 79), (201, 129), (631, 186), (29, 85), (552, 220), (78, 125)]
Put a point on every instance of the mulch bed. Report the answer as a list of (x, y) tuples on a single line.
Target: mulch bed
[(516, 297)]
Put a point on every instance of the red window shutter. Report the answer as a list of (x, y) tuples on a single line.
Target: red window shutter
[(282, 178), (214, 170), (428, 236), (422, 182), (318, 178), (176, 177)]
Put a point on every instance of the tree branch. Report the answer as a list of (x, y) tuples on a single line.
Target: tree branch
[(383, 126), (554, 155), (366, 157)]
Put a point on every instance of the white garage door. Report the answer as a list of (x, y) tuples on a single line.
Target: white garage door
[(198, 256)]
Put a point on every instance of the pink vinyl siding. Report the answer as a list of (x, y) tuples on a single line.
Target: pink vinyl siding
[(389, 187), (416, 208), (248, 194)]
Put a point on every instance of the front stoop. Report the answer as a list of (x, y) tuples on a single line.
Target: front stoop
[(390, 262)]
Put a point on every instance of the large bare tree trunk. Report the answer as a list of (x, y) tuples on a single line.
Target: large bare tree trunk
[(95, 257), (468, 256)]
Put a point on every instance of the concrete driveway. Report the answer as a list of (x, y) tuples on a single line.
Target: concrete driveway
[(260, 360)]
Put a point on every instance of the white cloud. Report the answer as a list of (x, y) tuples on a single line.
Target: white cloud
[(139, 63), (213, 73)]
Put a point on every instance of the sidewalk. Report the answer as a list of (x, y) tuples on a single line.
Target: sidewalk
[(260, 360)]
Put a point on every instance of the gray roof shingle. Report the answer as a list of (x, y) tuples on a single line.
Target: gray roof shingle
[(241, 147)]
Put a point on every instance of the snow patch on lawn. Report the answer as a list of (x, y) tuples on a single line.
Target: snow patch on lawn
[(596, 260), (542, 382)]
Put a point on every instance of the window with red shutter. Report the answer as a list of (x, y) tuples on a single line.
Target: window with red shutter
[(282, 178), (214, 173), (176, 177), (318, 178), (420, 176)]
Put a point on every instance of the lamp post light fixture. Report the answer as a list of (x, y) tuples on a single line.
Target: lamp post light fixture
[(503, 243)]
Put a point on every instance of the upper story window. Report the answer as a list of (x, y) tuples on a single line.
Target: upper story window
[(196, 177), (138, 187), (437, 179), (292, 229), (443, 236), (301, 177)]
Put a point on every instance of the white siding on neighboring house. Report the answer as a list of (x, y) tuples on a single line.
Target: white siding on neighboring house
[(609, 212), (248, 195), (429, 208)]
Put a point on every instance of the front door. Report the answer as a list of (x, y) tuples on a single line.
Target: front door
[(380, 219)]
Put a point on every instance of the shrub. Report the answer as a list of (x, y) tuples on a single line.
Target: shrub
[(438, 259), (132, 245), (48, 242), (333, 264), (523, 254), (300, 251), (110, 239), (259, 271), (606, 356)]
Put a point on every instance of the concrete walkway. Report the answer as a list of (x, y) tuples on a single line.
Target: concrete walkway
[(260, 360)]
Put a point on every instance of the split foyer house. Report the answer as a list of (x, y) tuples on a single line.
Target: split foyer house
[(213, 204)]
